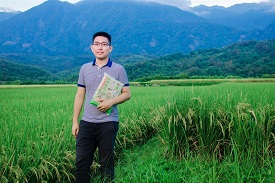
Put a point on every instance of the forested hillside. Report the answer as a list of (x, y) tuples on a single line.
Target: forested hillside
[(246, 59), (24, 74)]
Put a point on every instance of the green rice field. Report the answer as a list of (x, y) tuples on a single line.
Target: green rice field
[(217, 132)]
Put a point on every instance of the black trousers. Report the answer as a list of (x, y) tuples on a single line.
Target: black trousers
[(90, 137)]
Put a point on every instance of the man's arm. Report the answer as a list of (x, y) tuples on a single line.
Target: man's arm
[(78, 103), (106, 104)]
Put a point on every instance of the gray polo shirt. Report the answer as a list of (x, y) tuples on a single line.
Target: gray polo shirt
[(90, 76)]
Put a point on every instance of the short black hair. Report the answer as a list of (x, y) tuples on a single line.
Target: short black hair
[(104, 34)]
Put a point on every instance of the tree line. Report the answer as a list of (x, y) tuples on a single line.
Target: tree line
[(250, 59)]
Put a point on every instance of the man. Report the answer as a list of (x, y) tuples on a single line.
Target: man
[(97, 129)]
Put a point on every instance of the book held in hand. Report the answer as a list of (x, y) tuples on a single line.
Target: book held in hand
[(108, 88)]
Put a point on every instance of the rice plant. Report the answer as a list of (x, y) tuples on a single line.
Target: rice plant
[(232, 124), (219, 119), (36, 144)]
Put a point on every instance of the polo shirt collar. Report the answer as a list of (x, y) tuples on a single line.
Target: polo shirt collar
[(109, 63)]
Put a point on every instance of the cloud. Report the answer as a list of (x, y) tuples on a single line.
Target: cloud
[(182, 4), (6, 9)]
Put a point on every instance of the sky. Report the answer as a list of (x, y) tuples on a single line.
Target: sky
[(23, 5)]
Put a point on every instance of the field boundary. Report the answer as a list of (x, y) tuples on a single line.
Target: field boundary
[(37, 86), (188, 82)]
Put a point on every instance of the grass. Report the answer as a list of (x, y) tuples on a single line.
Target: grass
[(37, 145), (218, 116), (147, 163)]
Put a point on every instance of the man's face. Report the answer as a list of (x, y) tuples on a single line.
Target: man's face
[(101, 47)]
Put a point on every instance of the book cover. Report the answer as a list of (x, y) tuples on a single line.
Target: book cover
[(108, 88)]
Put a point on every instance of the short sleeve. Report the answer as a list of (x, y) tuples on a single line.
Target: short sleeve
[(81, 81), (123, 78)]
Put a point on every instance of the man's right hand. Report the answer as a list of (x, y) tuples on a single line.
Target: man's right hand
[(75, 129)]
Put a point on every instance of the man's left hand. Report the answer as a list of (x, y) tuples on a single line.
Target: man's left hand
[(104, 105)]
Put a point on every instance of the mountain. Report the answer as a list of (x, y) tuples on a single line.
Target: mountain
[(265, 34), (17, 73), (7, 15), (246, 59), (246, 16), (60, 28)]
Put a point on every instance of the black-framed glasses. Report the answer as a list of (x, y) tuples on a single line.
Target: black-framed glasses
[(103, 44)]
